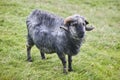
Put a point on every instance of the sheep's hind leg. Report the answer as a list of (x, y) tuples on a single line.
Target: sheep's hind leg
[(29, 45)]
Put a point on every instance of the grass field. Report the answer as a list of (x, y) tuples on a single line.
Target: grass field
[(99, 58)]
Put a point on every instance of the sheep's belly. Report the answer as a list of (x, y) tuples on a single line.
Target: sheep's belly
[(47, 50)]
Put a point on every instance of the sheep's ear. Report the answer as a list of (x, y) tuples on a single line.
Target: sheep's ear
[(85, 20), (89, 28), (68, 20)]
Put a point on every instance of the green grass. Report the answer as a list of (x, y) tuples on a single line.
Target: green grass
[(99, 58)]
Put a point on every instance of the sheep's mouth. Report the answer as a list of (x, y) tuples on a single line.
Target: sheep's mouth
[(76, 38), (81, 35)]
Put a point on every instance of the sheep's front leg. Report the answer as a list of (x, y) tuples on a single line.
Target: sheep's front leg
[(42, 54), (62, 58), (70, 63)]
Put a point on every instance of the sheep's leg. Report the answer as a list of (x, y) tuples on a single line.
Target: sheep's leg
[(42, 55), (29, 45), (28, 53), (62, 58), (70, 63)]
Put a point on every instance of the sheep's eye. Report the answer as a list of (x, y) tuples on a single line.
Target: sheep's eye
[(74, 24), (83, 24)]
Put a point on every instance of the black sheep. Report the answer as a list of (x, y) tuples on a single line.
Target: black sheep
[(53, 34)]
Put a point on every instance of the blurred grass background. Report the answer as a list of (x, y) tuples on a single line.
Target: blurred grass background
[(99, 58)]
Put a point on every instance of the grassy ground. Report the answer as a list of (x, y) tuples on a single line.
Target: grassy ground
[(99, 58)]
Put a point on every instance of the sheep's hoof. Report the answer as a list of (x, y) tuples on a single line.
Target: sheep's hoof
[(70, 70), (43, 58), (29, 60), (65, 71)]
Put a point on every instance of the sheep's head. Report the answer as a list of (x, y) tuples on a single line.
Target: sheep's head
[(76, 25)]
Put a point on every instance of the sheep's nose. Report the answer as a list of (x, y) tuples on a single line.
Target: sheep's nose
[(81, 34)]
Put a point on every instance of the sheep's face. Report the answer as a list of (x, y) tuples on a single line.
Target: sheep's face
[(77, 28), (77, 25)]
